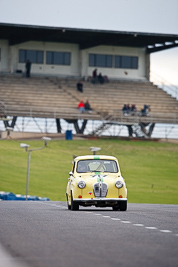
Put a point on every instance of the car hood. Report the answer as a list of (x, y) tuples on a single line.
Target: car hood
[(103, 177)]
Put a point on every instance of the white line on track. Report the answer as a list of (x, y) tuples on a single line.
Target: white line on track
[(53, 205), (138, 224), (114, 219), (165, 231)]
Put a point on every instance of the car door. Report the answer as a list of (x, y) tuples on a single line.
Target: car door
[(70, 181)]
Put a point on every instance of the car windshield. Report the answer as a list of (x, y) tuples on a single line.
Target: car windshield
[(97, 165)]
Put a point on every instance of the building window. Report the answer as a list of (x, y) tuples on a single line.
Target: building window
[(34, 56), (105, 61), (58, 58), (98, 60), (126, 62)]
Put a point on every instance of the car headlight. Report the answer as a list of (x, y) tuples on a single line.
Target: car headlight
[(81, 184), (119, 184)]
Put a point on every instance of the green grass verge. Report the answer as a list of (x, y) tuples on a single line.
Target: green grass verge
[(149, 168)]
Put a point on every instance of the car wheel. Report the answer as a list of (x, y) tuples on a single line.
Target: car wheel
[(74, 205), (123, 205), (68, 206), (115, 208)]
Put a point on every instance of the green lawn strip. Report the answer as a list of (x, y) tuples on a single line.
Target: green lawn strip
[(149, 168)]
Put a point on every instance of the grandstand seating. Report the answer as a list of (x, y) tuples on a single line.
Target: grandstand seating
[(38, 97), (54, 97), (109, 98)]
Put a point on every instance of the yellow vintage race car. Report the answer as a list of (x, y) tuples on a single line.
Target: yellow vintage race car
[(95, 180)]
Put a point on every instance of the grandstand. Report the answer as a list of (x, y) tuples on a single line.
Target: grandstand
[(60, 57), (57, 98)]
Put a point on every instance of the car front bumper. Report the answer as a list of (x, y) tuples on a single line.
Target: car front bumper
[(106, 202)]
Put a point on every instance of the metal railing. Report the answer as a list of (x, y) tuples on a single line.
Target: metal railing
[(73, 113), (41, 112), (164, 85), (120, 118), (116, 127)]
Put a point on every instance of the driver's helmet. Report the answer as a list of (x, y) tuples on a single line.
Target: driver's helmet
[(82, 167)]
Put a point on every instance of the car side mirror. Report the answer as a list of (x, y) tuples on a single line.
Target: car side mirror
[(71, 173)]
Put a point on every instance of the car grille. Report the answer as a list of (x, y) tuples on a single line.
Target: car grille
[(100, 189)]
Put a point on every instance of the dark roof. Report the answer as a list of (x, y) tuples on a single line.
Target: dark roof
[(86, 38)]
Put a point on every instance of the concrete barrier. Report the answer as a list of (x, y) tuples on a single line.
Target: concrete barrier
[(11, 196)]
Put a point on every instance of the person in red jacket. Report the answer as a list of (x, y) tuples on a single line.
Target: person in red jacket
[(81, 106)]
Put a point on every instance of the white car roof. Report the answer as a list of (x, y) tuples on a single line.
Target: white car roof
[(95, 157)]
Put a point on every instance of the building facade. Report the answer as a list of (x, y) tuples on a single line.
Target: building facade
[(66, 59), (77, 52)]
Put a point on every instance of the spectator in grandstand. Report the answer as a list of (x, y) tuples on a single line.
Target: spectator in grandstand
[(88, 107), (126, 109), (145, 110), (80, 86), (133, 109), (106, 79), (94, 77), (28, 68), (100, 78), (81, 106)]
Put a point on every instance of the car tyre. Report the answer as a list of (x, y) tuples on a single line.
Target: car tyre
[(68, 206), (74, 205), (123, 205), (115, 208)]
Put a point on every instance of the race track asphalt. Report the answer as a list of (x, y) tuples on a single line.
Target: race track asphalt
[(47, 234)]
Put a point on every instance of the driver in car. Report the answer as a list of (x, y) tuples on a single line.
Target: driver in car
[(82, 167)]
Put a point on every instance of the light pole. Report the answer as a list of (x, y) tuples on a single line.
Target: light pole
[(22, 145)]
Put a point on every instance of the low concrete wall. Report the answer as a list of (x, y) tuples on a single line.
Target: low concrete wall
[(30, 135)]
